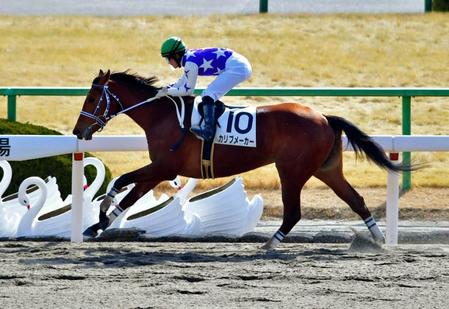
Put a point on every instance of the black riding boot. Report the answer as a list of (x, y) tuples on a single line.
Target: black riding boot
[(207, 132)]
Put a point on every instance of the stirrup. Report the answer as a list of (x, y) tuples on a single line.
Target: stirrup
[(203, 133)]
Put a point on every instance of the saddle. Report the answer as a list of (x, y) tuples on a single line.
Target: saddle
[(235, 126), (207, 147)]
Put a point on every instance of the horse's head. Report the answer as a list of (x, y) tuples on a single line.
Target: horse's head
[(112, 94), (99, 106)]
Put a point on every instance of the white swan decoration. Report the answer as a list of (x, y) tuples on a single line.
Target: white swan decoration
[(222, 211), (193, 223), (9, 216), (255, 211), (148, 200), (91, 210), (226, 210), (38, 222), (96, 184), (176, 183), (7, 176), (184, 191), (11, 212), (163, 219)]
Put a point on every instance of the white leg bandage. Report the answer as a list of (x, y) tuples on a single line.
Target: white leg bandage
[(274, 241), (113, 192), (115, 213), (374, 229), (108, 200)]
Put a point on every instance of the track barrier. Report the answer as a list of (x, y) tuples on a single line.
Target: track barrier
[(405, 94), (26, 147)]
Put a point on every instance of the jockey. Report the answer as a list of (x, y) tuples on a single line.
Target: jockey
[(229, 67)]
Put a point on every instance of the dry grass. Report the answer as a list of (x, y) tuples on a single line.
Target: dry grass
[(293, 50), (317, 203)]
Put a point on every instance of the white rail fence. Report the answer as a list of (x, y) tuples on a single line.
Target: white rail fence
[(26, 147)]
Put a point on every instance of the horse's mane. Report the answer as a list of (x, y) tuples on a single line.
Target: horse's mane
[(133, 80)]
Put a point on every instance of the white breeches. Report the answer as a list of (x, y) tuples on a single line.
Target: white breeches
[(236, 71)]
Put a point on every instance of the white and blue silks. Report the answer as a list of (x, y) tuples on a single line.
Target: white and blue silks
[(230, 68)]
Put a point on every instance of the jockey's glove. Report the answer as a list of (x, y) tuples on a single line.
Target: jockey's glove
[(162, 92)]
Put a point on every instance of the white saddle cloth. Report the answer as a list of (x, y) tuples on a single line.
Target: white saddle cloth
[(236, 127)]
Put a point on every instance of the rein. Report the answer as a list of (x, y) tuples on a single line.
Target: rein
[(107, 94)]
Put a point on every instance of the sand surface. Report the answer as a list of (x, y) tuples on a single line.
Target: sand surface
[(230, 275), (220, 275)]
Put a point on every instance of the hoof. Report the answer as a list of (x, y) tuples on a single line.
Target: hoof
[(364, 243), (272, 243), (380, 240), (268, 246), (92, 231)]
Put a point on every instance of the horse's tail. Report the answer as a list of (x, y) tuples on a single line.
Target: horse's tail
[(363, 144)]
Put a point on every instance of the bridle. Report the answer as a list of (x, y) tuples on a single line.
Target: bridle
[(106, 94)]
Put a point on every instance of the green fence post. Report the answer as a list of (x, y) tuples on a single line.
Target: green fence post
[(11, 107), (263, 6), (406, 130), (427, 6)]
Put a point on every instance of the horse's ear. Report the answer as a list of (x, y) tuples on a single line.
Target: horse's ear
[(104, 77)]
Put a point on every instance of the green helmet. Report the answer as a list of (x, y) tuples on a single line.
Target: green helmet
[(171, 46)]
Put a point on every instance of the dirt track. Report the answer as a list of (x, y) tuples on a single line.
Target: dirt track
[(217, 275), (211, 275)]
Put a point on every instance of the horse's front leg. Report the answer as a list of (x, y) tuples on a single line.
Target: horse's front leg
[(145, 178)]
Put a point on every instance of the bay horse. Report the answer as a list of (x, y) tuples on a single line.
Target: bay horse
[(300, 141)]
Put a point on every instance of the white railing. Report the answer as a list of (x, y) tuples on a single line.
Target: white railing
[(25, 147)]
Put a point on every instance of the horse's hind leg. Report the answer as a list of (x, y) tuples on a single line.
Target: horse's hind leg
[(334, 178), (291, 184)]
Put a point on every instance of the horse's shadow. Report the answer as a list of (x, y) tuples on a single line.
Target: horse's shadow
[(122, 257)]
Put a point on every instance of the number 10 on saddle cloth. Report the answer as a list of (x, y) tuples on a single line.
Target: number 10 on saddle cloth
[(236, 126)]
